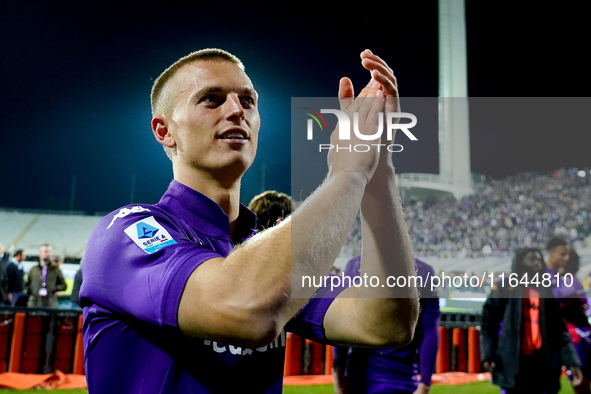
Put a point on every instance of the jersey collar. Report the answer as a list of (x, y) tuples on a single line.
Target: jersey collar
[(205, 215)]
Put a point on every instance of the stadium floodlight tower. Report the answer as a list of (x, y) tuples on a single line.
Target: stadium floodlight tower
[(454, 137), (454, 128)]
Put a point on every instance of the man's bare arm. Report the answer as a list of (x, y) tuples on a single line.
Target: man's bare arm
[(383, 315), (244, 299)]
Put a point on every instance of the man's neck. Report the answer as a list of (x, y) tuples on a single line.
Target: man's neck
[(226, 195)]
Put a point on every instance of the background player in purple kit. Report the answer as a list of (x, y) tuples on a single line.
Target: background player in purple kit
[(573, 303), (571, 295), (393, 370), (182, 297), (558, 255)]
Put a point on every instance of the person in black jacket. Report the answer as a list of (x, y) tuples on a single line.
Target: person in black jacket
[(75, 296), (15, 274), (524, 341), (4, 257)]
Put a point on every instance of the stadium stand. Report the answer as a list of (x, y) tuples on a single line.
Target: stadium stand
[(66, 233), (523, 210)]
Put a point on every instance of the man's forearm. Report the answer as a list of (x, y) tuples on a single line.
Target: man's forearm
[(378, 316), (315, 233), (387, 247), (322, 223), (387, 252)]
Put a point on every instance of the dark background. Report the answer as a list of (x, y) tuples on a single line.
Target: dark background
[(76, 78)]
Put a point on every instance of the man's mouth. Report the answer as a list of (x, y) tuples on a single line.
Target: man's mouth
[(233, 135)]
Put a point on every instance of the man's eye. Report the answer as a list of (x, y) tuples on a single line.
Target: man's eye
[(247, 101), (212, 99)]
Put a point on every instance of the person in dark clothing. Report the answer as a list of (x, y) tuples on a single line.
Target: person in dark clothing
[(44, 281), (524, 341), (4, 257), (75, 296), (15, 274)]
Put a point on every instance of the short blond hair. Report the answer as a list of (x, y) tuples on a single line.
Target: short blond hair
[(212, 55), (160, 96)]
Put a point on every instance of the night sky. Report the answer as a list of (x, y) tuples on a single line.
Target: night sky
[(76, 78)]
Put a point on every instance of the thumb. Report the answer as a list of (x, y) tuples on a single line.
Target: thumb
[(346, 92)]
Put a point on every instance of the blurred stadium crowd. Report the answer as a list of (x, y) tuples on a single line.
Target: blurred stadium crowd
[(522, 210)]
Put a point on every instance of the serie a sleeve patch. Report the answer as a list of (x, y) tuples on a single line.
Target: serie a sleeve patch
[(149, 235)]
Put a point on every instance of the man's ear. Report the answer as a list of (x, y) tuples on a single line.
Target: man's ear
[(161, 132)]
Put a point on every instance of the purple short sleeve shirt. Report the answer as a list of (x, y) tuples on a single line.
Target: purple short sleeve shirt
[(137, 262), (397, 370)]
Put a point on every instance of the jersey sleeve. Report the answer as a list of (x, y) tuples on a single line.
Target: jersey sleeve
[(137, 266), (308, 322)]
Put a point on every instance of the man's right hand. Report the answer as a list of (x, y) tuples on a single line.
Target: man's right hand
[(367, 105)]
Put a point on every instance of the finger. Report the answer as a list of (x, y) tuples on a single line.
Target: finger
[(373, 103), (371, 89), (371, 66), (346, 92), (368, 93), (368, 59), (390, 90), (377, 112), (369, 112), (389, 83), (363, 102), (375, 64)]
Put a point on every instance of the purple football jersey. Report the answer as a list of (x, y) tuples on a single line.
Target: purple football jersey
[(396, 370), (137, 262)]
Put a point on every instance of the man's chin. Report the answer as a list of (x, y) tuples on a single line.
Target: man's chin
[(233, 169)]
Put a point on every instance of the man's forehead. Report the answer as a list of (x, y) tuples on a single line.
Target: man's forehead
[(214, 76)]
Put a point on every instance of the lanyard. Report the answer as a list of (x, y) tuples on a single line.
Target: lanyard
[(44, 275), (43, 289)]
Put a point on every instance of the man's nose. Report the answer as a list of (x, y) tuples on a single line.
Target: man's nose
[(233, 107)]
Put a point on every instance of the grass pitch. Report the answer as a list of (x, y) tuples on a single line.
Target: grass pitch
[(470, 388)]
